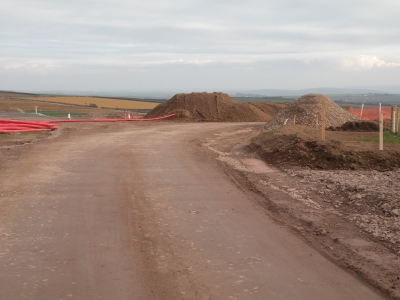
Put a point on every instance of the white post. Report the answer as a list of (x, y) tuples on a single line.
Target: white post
[(69, 116), (323, 120), (362, 108), (393, 118), (36, 109), (398, 120), (380, 131)]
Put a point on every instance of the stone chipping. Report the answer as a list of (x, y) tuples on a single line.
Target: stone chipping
[(370, 199), (307, 111)]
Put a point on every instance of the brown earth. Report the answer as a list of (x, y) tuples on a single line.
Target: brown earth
[(357, 126), (346, 145), (352, 216), (301, 146), (269, 108), (215, 107), (153, 215), (327, 192)]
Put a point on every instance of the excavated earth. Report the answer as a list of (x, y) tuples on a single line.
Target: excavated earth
[(215, 107), (300, 146), (341, 195)]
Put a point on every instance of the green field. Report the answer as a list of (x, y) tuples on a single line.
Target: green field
[(52, 113), (388, 137), (371, 99)]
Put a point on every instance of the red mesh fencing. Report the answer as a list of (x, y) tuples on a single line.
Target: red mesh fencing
[(371, 113)]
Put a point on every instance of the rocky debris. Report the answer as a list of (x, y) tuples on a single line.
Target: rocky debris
[(370, 199), (321, 232), (307, 111), (330, 209), (214, 107)]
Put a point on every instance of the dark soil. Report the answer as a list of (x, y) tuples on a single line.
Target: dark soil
[(357, 126), (297, 145)]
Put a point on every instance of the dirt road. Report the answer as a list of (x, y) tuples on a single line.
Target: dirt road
[(142, 211)]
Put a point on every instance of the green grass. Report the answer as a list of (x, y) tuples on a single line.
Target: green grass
[(52, 113), (388, 137), (5, 135)]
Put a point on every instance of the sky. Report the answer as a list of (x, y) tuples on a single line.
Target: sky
[(193, 45)]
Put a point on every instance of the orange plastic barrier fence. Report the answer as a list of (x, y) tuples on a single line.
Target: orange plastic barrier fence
[(14, 126), (371, 113)]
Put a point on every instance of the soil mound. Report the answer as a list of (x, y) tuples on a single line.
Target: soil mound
[(270, 109), (362, 126), (213, 107), (301, 146), (307, 111)]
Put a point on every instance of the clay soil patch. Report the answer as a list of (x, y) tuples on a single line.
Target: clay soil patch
[(298, 145), (215, 107)]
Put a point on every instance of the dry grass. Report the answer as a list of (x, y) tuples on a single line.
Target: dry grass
[(100, 102)]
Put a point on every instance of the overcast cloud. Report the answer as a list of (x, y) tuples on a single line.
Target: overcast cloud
[(192, 45)]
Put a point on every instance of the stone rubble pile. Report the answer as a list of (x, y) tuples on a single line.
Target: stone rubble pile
[(307, 111)]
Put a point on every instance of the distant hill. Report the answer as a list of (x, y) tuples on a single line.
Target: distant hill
[(163, 96), (297, 93)]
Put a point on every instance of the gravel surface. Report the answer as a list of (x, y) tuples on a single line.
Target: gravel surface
[(370, 199), (352, 216), (307, 111)]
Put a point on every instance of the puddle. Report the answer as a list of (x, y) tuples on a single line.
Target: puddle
[(256, 165)]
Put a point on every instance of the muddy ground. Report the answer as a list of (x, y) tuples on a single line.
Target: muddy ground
[(301, 146), (346, 192), (340, 195)]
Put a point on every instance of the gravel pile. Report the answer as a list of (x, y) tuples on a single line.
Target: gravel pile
[(307, 111), (370, 199)]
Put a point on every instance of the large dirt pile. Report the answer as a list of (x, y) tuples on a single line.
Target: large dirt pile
[(270, 109), (361, 126), (307, 111), (301, 146), (213, 107)]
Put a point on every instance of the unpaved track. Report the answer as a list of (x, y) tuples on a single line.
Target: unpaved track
[(140, 211)]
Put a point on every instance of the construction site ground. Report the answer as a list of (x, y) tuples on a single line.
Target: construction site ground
[(170, 210)]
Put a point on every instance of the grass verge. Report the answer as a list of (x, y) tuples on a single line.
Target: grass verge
[(388, 137), (52, 113)]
